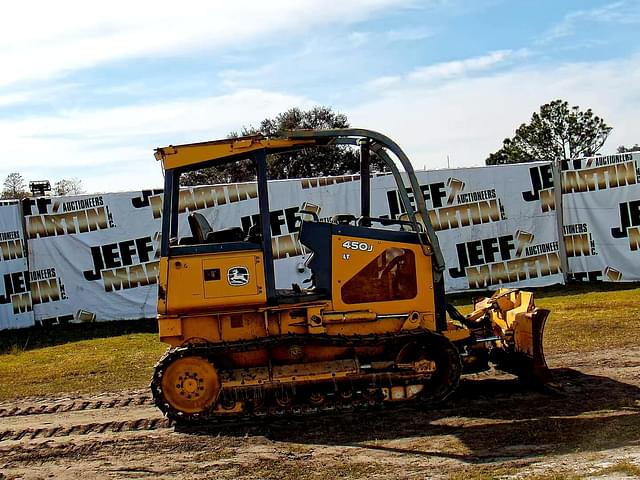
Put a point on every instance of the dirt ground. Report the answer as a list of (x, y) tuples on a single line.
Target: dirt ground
[(493, 426)]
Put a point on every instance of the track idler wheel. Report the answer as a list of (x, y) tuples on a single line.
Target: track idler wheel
[(438, 359), (317, 399), (185, 387)]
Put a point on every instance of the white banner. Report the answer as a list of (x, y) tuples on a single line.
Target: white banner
[(15, 295), (489, 235), (99, 253), (601, 210), (95, 257)]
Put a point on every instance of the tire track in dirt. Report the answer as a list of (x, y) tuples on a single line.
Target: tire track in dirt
[(85, 429), (73, 406), (88, 416)]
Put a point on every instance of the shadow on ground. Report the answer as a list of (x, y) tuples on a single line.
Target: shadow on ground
[(493, 419)]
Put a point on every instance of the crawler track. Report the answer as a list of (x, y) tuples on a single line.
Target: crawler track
[(262, 402)]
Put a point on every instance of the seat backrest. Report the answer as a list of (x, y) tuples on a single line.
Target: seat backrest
[(254, 235), (316, 236), (199, 226), (343, 218)]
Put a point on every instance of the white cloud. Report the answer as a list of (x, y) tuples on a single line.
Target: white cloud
[(119, 141), (464, 117), (357, 39), (37, 95), (458, 68), (408, 34), (467, 118), (15, 98), (439, 72), (42, 40), (625, 12), (383, 83)]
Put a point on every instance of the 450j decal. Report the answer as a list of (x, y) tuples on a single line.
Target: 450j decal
[(360, 246)]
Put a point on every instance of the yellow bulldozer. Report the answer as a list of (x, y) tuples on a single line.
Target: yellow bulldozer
[(371, 327)]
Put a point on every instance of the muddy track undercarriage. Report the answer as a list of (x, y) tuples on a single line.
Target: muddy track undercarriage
[(417, 366)]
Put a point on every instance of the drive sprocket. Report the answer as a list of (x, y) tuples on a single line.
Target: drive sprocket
[(185, 386)]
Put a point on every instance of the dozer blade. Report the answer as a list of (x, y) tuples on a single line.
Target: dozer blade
[(527, 359), (520, 326)]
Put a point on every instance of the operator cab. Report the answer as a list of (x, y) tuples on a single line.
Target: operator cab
[(354, 260)]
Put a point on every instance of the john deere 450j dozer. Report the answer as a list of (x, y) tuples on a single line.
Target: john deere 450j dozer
[(372, 327)]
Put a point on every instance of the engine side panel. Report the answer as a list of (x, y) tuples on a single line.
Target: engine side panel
[(200, 283)]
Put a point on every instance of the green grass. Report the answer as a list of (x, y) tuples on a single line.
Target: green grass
[(625, 468), (12, 341), (590, 320), (119, 355), (95, 365)]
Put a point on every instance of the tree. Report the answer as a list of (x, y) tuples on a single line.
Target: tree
[(71, 186), (309, 162), (557, 132), (14, 187), (623, 149)]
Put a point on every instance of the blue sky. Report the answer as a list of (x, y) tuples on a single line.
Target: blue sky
[(88, 90)]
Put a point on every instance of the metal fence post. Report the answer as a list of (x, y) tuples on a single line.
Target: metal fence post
[(557, 191)]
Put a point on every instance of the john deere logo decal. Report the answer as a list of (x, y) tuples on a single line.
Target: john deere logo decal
[(238, 276)]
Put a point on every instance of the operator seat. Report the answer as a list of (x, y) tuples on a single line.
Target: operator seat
[(254, 234), (200, 228), (343, 219), (203, 233)]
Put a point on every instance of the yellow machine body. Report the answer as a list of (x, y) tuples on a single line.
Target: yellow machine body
[(201, 303)]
